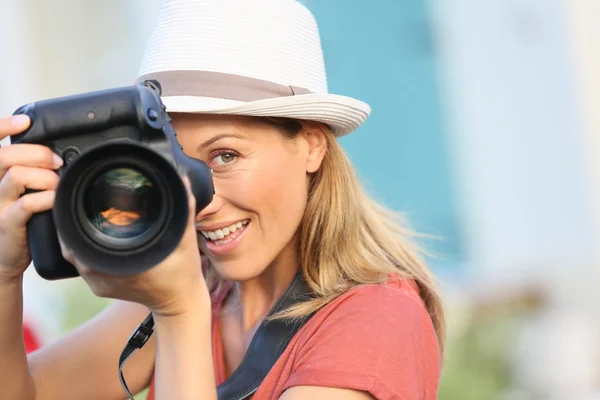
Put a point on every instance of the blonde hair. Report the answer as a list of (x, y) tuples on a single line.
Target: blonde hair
[(347, 239)]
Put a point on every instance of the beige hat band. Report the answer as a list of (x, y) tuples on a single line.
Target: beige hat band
[(219, 85)]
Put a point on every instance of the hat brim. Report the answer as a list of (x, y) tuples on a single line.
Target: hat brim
[(343, 114)]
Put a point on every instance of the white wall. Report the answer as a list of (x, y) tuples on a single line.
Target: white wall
[(516, 136), (583, 19)]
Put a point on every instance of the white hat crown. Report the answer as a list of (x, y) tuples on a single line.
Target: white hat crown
[(272, 40), (245, 57)]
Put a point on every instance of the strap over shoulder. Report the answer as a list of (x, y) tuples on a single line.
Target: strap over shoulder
[(267, 345)]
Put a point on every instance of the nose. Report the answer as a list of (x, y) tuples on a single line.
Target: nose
[(213, 207)]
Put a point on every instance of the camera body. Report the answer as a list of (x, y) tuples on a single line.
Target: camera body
[(121, 205)]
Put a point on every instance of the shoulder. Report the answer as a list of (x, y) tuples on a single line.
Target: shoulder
[(394, 306), (397, 296), (374, 338), (377, 338)]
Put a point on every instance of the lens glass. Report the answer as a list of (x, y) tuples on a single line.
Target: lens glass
[(122, 203)]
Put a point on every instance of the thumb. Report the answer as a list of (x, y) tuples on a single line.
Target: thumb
[(191, 201)]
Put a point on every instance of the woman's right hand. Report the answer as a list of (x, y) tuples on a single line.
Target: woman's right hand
[(22, 166)]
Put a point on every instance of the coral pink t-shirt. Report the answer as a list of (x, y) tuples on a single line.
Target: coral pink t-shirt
[(375, 338)]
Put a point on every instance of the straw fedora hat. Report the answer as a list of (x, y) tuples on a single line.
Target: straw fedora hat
[(245, 57)]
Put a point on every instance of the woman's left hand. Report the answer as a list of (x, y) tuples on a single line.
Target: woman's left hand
[(170, 288)]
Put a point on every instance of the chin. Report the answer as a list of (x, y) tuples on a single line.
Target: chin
[(236, 271)]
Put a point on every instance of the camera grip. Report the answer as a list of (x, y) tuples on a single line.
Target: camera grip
[(45, 248), (65, 117)]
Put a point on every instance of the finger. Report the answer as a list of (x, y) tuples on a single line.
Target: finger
[(190, 232), (187, 184), (18, 178), (69, 256), (65, 252), (30, 155), (191, 201), (19, 212), (13, 125)]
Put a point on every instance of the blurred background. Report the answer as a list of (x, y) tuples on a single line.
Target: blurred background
[(485, 130)]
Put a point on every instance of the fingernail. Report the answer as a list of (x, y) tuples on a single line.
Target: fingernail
[(186, 182), (20, 120), (57, 161)]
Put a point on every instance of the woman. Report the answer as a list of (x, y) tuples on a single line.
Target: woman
[(245, 85)]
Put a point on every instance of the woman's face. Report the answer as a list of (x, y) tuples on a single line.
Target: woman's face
[(261, 186)]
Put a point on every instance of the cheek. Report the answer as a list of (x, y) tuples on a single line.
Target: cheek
[(275, 188), (286, 190)]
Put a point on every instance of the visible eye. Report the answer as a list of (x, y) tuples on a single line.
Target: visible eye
[(224, 157)]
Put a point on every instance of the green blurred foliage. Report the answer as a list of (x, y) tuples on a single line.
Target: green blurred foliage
[(82, 305), (476, 365)]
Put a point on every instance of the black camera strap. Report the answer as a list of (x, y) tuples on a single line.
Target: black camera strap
[(267, 345), (136, 341)]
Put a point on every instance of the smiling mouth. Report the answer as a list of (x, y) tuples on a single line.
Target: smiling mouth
[(225, 235)]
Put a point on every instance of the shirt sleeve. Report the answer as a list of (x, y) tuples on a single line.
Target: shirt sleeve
[(377, 339)]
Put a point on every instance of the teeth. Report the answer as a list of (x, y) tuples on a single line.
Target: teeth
[(221, 233)]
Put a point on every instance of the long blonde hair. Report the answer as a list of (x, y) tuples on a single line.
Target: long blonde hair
[(347, 239)]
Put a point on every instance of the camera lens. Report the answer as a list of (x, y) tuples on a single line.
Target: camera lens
[(121, 207), (122, 203)]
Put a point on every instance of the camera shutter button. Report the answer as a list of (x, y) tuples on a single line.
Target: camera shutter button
[(70, 155)]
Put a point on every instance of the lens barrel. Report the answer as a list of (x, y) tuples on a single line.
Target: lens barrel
[(121, 208)]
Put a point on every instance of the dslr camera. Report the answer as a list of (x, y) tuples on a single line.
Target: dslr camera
[(121, 205)]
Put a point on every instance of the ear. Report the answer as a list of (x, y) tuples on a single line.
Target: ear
[(316, 140)]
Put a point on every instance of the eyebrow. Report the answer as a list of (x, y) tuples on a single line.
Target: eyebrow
[(217, 138)]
